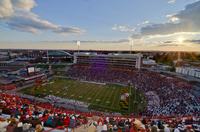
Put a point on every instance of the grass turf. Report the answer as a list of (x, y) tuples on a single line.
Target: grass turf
[(102, 97)]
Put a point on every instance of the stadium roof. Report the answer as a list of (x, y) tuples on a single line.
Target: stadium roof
[(109, 55), (59, 53)]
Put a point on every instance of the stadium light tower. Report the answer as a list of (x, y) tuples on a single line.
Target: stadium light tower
[(48, 61), (131, 44), (78, 43)]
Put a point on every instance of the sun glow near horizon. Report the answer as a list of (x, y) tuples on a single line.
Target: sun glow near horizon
[(181, 39)]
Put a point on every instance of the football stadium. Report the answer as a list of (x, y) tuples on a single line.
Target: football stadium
[(106, 88), (100, 94), (99, 66)]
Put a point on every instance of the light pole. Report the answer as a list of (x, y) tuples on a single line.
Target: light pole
[(131, 44), (78, 43), (49, 66)]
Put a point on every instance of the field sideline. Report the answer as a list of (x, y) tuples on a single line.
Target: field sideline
[(101, 97)]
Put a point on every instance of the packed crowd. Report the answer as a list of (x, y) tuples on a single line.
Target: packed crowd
[(176, 109), (175, 95), (26, 116)]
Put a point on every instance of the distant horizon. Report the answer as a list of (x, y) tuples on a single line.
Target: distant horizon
[(92, 45), (102, 50)]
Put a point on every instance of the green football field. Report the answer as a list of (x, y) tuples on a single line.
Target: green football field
[(101, 97)]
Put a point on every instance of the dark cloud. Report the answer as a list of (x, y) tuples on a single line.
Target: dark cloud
[(169, 45), (64, 30), (168, 42), (193, 41), (188, 20)]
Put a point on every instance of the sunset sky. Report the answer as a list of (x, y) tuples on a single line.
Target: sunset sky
[(100, 24)]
